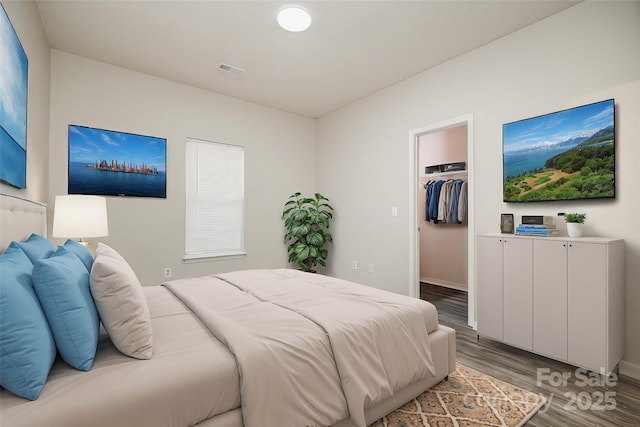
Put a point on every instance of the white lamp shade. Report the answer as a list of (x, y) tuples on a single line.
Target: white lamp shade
[(80, 217)]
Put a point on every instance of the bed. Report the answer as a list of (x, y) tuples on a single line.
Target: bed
[(247, 348)]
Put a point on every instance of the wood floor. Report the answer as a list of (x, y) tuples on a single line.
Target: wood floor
[(583, 400)]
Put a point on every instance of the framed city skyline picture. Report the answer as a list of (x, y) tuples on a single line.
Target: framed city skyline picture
[(111, 163), (13, 105)]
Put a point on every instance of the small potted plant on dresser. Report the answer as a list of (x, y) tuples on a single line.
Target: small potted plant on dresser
[(574, 223)]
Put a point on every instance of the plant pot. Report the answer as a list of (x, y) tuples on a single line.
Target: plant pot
[(574, 229)]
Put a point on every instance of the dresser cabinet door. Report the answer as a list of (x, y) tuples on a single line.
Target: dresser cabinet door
[(587, 316), (490, 292), (550, 298), (518, 292)]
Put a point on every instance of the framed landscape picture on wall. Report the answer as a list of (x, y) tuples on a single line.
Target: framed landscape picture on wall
[(13, 106), (110, 163), (566, 155)]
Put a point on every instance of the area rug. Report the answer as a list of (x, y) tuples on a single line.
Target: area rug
[(468, 399)]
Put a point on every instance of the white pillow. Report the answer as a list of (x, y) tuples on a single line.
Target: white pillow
[(121, 305)]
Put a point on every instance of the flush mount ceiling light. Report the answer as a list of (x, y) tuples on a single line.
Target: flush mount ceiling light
[(294, 18)]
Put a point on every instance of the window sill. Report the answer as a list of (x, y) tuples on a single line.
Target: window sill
[(204, 257)]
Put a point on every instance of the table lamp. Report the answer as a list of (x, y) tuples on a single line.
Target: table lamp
[(80, 217)]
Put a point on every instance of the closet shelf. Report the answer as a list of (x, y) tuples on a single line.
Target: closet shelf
[(447, 174)]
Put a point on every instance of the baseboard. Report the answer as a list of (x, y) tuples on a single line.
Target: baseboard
[(444, 283), (630, 370)]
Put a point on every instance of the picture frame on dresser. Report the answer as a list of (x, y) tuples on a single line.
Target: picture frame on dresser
[(506, 224)]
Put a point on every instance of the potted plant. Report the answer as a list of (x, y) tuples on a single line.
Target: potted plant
[(306, 221), (574, 223)]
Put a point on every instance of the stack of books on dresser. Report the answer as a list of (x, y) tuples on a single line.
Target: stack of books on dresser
[(537, 230)]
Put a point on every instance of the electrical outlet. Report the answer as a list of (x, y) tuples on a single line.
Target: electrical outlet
[(370, 268), (167, 272), (354, 265)]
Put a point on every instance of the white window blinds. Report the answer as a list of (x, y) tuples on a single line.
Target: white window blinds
[(214, 199)]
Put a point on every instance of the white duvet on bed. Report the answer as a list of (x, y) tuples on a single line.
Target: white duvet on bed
[(310, 344)]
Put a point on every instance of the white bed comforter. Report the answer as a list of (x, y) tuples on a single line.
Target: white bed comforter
[(311, 350)]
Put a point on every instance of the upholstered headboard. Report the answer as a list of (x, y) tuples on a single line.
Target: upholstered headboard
[(19, 218)]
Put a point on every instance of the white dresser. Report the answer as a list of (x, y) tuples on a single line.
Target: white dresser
[(559, 297)]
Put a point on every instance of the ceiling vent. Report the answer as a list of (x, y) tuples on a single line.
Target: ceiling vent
[(231, 69)]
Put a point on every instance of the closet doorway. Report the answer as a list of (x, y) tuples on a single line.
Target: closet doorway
[(442, 239)]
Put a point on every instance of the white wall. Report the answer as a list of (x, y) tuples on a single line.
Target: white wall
[(149, 233), (25, 19), (585, 54)]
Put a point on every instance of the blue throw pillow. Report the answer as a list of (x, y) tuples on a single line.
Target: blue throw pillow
[(36, 247), (62, 285), (81, 252), (27, 349)]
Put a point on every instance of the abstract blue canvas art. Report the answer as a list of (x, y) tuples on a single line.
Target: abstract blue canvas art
[(13, 106)]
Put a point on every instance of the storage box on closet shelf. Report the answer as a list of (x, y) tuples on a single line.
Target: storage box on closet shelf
[(446, 167)]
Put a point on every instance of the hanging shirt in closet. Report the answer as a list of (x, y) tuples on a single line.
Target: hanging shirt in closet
[(426, 199), (452, 215), (445, 199), (462, 203), (434, 195)]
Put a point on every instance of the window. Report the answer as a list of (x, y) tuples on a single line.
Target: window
[(214, 199)]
